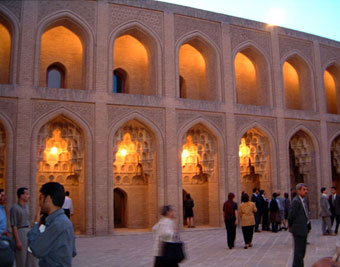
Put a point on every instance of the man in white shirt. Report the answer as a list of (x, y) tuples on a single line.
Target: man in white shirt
[(68, 205)]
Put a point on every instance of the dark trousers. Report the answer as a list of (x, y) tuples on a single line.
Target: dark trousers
[(275, 227), (257, 220), (248, 232), (159, 262), (300, 243), (67, 212), (231, 232), (337, 219), (265, 221)]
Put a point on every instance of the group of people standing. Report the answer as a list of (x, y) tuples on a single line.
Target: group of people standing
[(259, 210), (50, 240)]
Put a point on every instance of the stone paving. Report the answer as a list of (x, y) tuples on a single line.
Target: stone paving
[(204, 247)]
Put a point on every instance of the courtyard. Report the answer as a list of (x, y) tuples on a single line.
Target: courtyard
[(204, 247)]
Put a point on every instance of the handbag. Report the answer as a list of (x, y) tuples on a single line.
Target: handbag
[(173, 251)]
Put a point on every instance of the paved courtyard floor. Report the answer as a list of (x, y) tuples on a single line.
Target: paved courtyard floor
[(204, 247)]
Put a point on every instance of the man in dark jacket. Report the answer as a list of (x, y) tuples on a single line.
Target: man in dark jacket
[(256, 199), (298, 224), (334, 202)]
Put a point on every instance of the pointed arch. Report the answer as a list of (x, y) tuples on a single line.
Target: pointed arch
[(11, 23), (8, 157), (81, 29), (298, 81), (73, 119), (303, 151), (331, 84), (201, 175), (137, 121), (263, 155), (252, 75), (150, 40), (210, 82)]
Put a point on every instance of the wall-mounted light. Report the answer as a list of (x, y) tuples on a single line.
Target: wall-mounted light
[(54, 150)]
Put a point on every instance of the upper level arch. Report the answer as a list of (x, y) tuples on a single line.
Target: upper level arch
[(8, 45), (252, 76), (64, 37), (135, 49), (197, 68), (298, 82), (332, 87)]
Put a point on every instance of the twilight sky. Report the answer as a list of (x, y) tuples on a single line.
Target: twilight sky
[(319, 17)]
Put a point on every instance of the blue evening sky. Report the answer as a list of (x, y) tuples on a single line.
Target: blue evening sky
[(318, 17)]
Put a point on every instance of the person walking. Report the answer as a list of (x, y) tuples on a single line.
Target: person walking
[(334, 202), (286, 205), (165, 231), (265, 211), (274, 213), (298, 224), (325, 213), (230, 219), (189, 212), (247, 211), (68, 205), (256, 199)]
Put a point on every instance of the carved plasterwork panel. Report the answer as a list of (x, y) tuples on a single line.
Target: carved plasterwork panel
[(267, 123), (260, 38), (14, 6), (288, 44), (116, 113), (328, 53), (152, 19), (85, 9), (185, 25), (332, 129), (85, 111), (335, 149)]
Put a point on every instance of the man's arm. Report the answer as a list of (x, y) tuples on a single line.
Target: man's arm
[(292, 213), (14, 222)]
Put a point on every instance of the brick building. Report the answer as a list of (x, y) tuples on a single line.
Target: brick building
[(133, 104)]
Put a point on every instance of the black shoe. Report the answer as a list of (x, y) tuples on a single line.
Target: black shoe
[(230, 247), (245, 247)]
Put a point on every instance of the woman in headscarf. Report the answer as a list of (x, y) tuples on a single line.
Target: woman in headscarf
[(230, 219)]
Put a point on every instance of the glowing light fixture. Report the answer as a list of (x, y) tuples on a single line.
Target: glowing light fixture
[(185, 153), (123, 152), (244, 149), (54, 150)]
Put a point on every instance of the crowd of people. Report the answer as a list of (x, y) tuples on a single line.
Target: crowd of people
[(49, 241)]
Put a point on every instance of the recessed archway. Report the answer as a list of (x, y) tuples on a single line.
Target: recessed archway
[(255, 161), (3, 157), (200, 173), (61, 155), (332, 88), (5, 50), (302, 167), (135, 172), (335, 161)]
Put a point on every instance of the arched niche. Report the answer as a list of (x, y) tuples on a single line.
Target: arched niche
[(198, 70), (3, 157), (61, 156), (252, 77), (298, 84), (120, 207), (335, 161), (302, 165), (135, 54), (135, 172), (332, 88), (256, 159), (199, 164), (65, 42), (5, 49)]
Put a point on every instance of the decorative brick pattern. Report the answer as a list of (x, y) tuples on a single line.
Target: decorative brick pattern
[(288, 44), (328, 53), (116, 113), (185, 25), (268, 124), (260, 38), (13, 6), (332, 129), (152, 19), (9, 108), (85, 111), (313, 126), (86, 10)]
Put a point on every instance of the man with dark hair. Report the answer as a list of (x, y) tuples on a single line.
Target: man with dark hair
[(298, 224), (20, 222), (3, 214), (334, 203), (256, 199), (68, 205), (325, 213), (54, 245)]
